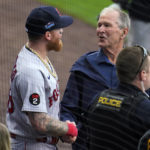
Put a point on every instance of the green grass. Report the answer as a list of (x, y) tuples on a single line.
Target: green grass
[(86, 10)]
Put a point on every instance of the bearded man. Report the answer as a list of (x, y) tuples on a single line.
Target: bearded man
[(33, 106)]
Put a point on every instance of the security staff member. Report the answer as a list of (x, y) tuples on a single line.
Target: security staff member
[(144, 142), (119, 117)]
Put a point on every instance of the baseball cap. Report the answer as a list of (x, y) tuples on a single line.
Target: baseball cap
[(46, 18)]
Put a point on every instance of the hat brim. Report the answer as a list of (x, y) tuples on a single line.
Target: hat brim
[(63, 22)]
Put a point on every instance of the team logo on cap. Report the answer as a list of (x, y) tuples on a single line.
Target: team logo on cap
[(49, 25), (34, 99), (58, 11)]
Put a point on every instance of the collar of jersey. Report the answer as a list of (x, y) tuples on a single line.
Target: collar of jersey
[(53, 72)]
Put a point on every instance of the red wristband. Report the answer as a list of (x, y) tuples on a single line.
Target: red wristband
[(72, 130)]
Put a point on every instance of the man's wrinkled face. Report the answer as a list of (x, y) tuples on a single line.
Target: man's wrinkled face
[(108, 31)]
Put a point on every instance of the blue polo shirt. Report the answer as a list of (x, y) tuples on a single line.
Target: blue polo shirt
[(97, 66), (90, 74)]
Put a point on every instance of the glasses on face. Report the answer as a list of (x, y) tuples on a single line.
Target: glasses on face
[(145, 54)]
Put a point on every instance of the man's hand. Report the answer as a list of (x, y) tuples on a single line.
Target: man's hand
[(69, 138)]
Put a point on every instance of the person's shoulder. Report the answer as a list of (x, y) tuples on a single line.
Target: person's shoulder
[(28, 64), (30, 74), (26, 59), (81, 62), (87, 55), (144, 104), (91, 53)]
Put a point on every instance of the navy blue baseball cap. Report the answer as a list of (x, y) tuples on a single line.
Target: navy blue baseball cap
[(46, 18)]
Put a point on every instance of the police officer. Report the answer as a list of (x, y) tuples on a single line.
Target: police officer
[(144, 142), (119, 117)]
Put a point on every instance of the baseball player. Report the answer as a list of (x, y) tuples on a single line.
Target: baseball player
[(33, 105)]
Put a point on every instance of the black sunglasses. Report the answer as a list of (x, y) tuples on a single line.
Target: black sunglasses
[(145, 54)]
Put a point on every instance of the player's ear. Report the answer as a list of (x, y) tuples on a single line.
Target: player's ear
[(48, 35)]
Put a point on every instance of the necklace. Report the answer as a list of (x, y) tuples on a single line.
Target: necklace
[(53, 72)]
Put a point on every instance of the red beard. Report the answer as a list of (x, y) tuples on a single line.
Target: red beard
[(55, 45)]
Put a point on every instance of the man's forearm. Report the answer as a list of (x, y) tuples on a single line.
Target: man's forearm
[(44, 123)]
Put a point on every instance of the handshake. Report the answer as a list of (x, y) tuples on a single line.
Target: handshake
[(72, 133)]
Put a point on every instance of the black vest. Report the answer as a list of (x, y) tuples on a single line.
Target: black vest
[(113, 123)]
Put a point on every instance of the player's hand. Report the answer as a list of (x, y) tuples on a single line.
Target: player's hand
[(68, 139), (68, 121)]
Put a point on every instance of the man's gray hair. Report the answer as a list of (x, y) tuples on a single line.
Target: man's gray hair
[(123, 21)]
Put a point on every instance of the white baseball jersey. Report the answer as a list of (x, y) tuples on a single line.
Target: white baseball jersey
[(33, 89)]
